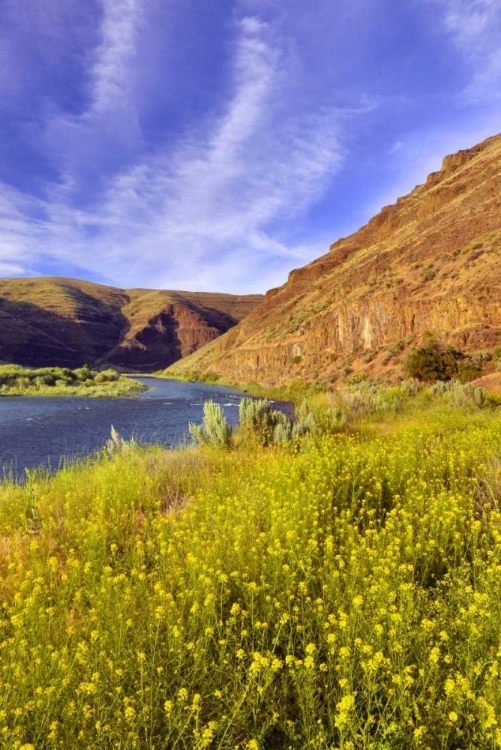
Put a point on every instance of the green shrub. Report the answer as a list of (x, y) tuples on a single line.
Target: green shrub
[(210, 377), (116, 444), (468, 370), (369, 356), (433, 362), (493, 398), (306, 422), (52, 381), (461, 395), (260, 420), (9, 373), (214, 430), (107, 376), (410, 387), (481, 357), (357, 377), (82, 373), (282, 433)]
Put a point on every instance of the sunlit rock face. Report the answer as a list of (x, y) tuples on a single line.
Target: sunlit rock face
[(429, 264)]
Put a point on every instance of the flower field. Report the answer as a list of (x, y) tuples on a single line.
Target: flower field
[(347, 595)]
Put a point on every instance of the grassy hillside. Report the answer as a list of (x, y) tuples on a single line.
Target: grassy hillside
[(67, 322), (345, 593)]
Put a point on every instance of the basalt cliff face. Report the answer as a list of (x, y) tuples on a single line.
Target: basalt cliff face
[(66, 322), (429, 264)]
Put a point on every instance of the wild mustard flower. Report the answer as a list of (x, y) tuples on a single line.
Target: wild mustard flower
[(365, 568)]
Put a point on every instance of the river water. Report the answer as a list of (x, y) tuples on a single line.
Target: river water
[(50, 431)]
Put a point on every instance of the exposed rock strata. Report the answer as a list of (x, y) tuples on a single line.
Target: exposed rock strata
[(431, 263)]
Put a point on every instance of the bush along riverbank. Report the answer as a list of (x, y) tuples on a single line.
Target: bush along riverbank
[(340, 588), (61, 381)]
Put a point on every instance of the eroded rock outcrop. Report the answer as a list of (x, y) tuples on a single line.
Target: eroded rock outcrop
[(430, 263)]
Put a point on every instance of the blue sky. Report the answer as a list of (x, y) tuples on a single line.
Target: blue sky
[(214, 146)]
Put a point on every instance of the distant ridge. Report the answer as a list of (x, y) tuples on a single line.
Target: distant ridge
[(429, 264), (66, 322)]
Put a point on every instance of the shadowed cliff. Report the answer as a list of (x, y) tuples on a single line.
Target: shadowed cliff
[(66, 322)]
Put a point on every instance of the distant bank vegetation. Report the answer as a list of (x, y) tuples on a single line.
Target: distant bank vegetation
[(16, 380)]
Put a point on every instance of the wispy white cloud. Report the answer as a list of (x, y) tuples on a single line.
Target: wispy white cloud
[(242, 163), (475, 28), (210, 213), (111, 67), (215, 196), (19, 231), (84, 141)]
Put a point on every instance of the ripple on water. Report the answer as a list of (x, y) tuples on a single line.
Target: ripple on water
[(43, 431)]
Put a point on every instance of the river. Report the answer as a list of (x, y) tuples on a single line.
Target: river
[(50, 431)]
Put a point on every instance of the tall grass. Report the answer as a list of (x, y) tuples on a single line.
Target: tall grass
[(344, 596)]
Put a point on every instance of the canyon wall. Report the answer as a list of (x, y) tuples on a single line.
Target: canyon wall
[(429, 264)]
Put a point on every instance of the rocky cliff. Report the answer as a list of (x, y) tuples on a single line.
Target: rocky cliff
[(65, 322), (429, 264)]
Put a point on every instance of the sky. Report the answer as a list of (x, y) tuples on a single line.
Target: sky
[(215, 145)]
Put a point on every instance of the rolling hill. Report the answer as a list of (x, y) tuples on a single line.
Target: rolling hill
[(66, 322)]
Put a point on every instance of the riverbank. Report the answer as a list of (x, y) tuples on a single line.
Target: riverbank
[(16, 380), (292, 393), (344, 591), (50, 431)]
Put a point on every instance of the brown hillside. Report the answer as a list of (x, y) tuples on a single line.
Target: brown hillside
[(65, 322), (431, 263)]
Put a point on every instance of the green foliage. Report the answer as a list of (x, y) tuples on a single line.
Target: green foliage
[(305, 423), (215, 430), (462, 395), (209, 377), (84, 373), (357, 377), (369, 356), (116, 444), (262, 424), (468, 371), (282, 433), (106, 376), (493, 398), (265, 424), (368, 397), (433, 362), (16, 380)]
